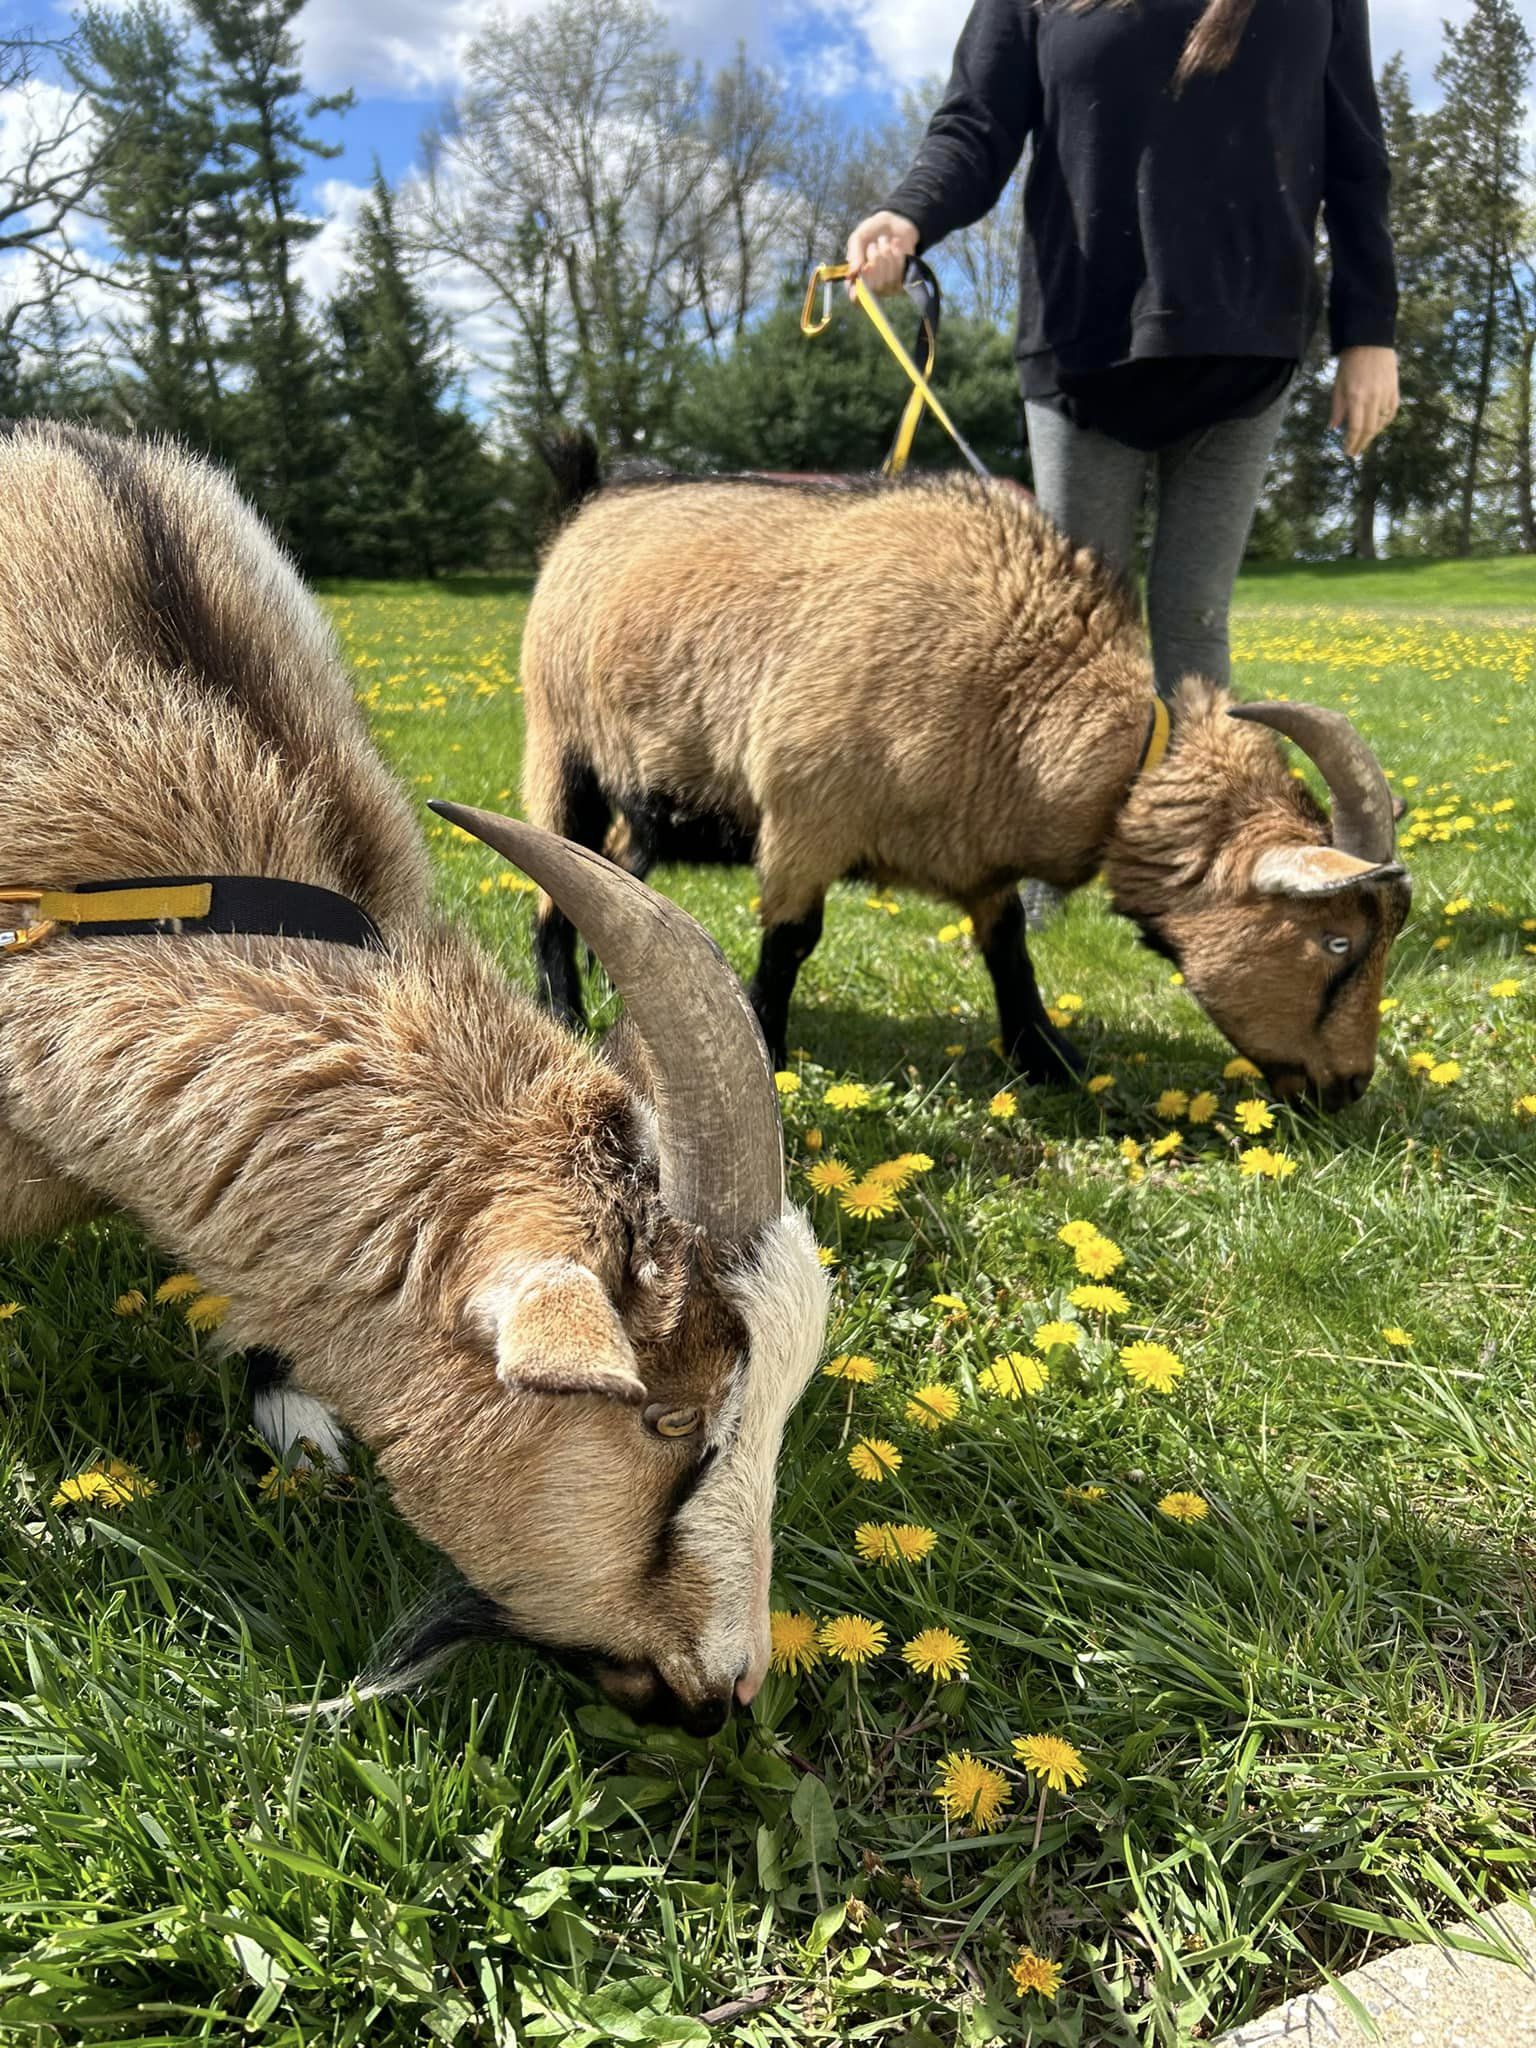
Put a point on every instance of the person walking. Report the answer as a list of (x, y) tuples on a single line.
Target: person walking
[(1168, 290)]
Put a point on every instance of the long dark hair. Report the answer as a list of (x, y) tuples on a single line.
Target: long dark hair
[(1212, 41)]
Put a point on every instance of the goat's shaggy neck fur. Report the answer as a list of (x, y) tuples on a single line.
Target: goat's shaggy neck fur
[(1221, 796)]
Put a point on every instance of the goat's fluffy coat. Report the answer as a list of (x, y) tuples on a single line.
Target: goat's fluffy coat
[(368, 1152), (924, 684)]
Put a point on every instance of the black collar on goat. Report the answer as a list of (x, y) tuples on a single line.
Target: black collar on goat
[(242, 906)]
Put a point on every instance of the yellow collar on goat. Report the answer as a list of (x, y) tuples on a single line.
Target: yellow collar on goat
[(1159, 731), (250, 906)]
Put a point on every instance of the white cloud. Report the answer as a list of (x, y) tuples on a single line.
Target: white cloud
[(403, 47), (325, 257)]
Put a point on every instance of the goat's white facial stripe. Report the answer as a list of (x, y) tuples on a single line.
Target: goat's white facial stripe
[(727, 1525)]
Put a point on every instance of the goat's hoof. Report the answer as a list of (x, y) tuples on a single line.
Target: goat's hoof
[(1048, 1058)]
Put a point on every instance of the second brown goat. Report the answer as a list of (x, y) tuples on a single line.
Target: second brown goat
[(926, 684)]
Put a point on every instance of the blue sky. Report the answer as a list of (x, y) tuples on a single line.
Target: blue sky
[(402, 57)]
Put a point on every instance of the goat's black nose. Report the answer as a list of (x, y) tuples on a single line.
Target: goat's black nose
[(1346, 1089)]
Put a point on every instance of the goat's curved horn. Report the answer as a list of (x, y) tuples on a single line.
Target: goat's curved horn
[(1362, 802), (717, 1110)]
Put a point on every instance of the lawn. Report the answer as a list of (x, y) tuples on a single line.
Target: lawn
[(1305, 1708)]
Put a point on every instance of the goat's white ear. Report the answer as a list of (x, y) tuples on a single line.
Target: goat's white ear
[(556, 1331), (1318, 871)]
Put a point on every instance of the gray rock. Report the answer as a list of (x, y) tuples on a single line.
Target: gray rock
[(1426, 1996)]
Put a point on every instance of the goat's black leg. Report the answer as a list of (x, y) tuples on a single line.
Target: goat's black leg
[(785, 949), (1030, 1040), (581, 813)]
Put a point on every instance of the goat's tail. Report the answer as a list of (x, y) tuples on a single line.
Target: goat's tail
[(571, 456)]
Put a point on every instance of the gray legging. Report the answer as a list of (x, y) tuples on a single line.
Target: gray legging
[(1207, 489)]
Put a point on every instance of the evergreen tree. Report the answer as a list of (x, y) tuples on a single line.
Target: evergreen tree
[(281, 421), (160, 196), (415, 482), (1479, 186), (780, 402)]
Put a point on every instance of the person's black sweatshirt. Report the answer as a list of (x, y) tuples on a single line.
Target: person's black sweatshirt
[(1164, 223)]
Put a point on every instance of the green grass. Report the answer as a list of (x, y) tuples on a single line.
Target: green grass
[(1309, 1720)]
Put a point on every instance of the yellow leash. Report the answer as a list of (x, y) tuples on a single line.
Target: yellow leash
[(824, 277)]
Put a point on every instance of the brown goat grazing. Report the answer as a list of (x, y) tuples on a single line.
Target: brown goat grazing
[(561, 1297), (924, 683)]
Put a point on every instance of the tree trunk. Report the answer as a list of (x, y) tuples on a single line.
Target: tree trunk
[(1367, 497), (1525, 485), (1479, 413)]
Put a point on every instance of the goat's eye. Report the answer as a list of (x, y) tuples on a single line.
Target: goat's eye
[(666, 1421), (1335, 943)]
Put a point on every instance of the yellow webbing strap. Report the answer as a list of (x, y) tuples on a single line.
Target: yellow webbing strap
[(126, 906), (823, 278), (1157, 739)]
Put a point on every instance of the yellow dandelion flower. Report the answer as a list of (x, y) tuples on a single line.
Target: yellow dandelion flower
[(180, 1287), (1258, 1162), (8, 1309), (890, 1173), (936, 1653), (1015, 1374), (1087, 1494), (787, 1083), (1003, 1105), (951, 1304), (1184, 1507), (875, 1542), (1393, 1335), (1203, 1107), (792, 1641), (825, 1256), (1507, 987), (913, 1541), (1151, 1365), (1240, 1070), (831, 1176), (1054, 1762), (852, 1638), (915, 1162), (1097, 1083), (207, 1312), (1169, 1142), (1254, 1116), (1098, 1257), (851, 1366), (867, 1200), (1099, 1301), (847, 1095), (1130, 1151), (873, 1460), (280, 1485), (813, 1140), (109, 1483), (970, 1791), (933, 1406), (1069, 1002), (1173, 1102), (1526, 1105), (1444, 1072), (1079, 1231), (1034, 1973), (1420, 1062), (130, 1304), (1055, 1336)]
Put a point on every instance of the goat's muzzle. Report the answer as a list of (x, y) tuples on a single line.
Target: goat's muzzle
[(646, 1696)]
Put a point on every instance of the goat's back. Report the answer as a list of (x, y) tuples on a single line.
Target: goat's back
[(862, 653), (171, 699)]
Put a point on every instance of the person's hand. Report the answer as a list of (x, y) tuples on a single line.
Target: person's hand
[(878, 250), (1364, 395)]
